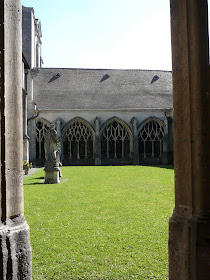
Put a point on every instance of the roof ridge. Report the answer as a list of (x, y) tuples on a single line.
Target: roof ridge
[(98, 69)]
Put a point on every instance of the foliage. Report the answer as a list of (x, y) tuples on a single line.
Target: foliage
[(27, 165), (100, 223)]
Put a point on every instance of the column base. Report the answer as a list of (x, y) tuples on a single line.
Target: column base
[(189, 248), (15, 250), (52, 177)]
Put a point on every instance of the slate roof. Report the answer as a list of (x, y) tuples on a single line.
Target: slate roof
[(58, 88)]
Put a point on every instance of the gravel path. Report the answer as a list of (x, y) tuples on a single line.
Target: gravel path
[(31, 171)]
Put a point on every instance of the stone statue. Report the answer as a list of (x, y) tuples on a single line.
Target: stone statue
[(52, 155), (51, 144)]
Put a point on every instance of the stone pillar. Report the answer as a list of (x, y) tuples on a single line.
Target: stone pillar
[(165, 142), (26, 148), (32, 135), (30, 76), (189, 227), (170, 145), (25, 136), (15, 249), (32, 115), (60, 140), (24, 112), (135, 142), (97, 143)]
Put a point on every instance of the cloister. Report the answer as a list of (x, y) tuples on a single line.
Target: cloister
[(115, 140), (189, 226)]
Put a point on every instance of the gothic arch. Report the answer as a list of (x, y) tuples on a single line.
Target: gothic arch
[(78, 142), (116, 142), (43, 120), (149, 120), (151, 133), (41, 127)]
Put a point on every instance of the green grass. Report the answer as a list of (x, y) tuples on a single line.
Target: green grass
[(100, 223)]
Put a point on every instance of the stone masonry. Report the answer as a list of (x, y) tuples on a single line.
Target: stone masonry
[(15, 249), (189, 227)]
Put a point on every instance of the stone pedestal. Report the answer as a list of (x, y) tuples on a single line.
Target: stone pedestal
[(52, 177)]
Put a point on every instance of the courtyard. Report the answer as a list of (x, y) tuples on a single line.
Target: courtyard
[(100, 222)]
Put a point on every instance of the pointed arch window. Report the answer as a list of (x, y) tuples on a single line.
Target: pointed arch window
[(78, 141), (115, 141), (40, 132), (151, 140)]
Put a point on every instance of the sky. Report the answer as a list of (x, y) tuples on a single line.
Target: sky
[(104, 34)]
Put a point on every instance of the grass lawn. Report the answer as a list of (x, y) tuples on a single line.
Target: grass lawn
[(100, 223)]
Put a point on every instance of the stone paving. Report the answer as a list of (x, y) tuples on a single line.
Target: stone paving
[(31, 171)]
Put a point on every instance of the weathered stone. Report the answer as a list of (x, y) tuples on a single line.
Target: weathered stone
[(52, 177), (189, 227), (15, 249), (52, 154), (97, 143), (15, 261), (135, 155)]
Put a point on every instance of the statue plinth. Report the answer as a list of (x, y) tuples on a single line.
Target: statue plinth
[(52, 177), (52, 172)]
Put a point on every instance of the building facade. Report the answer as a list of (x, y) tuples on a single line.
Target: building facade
[(31, 59), (102, 116)]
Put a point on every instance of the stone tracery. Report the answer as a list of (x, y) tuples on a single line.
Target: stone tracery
[(41, 128), (115, 141), (78, 141), (151, 136)]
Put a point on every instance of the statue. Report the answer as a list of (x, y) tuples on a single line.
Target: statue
[(52, 155)]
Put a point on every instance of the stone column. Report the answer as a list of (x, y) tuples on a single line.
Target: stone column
[(25, 136), (97, 143), (32, 115), (165, 142), (32, 136), (15, 249), (135, 142), (26, 147), (24, 112), (170, 141), (58, 129), (189, 227)]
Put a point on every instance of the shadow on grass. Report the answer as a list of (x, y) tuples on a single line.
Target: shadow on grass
[(165, 166), (37, 178), (36, 183), (161, 166)]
